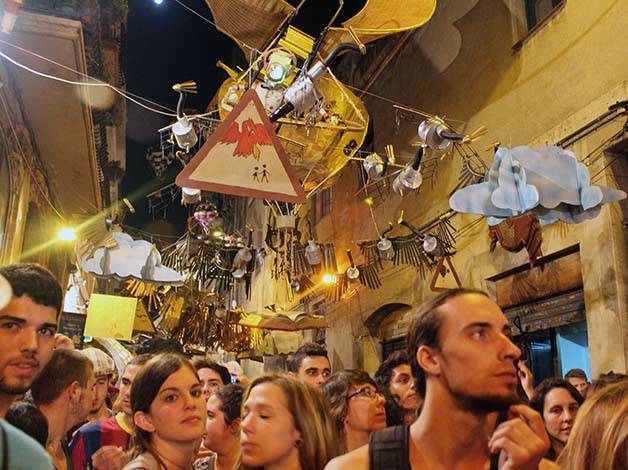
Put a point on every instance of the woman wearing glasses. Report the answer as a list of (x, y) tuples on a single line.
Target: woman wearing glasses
[(356, 407)]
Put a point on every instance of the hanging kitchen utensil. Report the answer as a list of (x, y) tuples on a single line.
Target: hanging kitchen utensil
[(183, 129), (410, 178), (352, 273), (242, 258), (313, 253), (374, 166), (385, 246)]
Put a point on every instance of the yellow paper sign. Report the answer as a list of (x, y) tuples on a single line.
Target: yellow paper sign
[(110, 316)]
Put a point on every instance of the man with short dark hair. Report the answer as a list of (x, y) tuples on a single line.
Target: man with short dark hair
[(463, 362), (30, 301), (28, 324), (394, 378), (106, 443), (63, 393), (311, 364), (578, 378), (212, 375)]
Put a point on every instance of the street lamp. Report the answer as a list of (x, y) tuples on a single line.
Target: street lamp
[(67, 234)]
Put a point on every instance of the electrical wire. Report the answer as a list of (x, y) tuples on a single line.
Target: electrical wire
[(388, 100), (94, 83), (78, 72), (207, 20)]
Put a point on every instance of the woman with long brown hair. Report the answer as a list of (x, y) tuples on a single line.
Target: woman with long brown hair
[(558, 402), (169, 414), (285, 425), (599, 440)]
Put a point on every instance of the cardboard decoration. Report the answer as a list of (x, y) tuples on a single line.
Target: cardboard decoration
[(516, 233), (111, 316), (283, 321), (441, 271), (131, 259), (548, 182), (143, 322), (5, 292), (244, 157)]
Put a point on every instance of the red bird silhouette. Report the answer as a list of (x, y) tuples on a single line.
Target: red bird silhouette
[(248, 140)]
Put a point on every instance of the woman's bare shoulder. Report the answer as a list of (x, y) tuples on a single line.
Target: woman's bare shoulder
[(357, 459)]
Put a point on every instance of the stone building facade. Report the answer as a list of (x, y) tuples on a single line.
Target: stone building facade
[(484, 62), (63, 146)]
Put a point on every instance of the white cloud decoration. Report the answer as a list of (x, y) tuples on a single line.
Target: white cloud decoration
[(548, 182), (131, 259)]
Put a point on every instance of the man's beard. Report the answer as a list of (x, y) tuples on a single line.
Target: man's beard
[(17, 389), (484, 403)]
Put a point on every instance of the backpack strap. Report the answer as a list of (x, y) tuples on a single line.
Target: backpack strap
[(389, 449)]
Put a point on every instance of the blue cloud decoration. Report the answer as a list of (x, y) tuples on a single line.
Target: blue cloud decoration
[(548, 182)]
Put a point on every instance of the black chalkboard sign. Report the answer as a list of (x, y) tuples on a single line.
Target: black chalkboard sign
[(72, 325)]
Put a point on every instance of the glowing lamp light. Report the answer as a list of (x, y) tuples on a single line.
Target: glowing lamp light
[(329, 279), (158, 2), (67, 234)]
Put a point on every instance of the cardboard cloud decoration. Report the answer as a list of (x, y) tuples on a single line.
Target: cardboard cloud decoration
[(136, 259), (548, 182), (5, 292)]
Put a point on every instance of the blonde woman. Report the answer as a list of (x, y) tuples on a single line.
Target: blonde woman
[(599, 440), (285, 425)]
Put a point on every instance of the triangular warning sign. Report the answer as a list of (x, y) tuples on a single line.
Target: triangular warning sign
[(244, 157)]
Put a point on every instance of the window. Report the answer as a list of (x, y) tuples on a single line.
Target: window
[(323, 203), (537, 10)]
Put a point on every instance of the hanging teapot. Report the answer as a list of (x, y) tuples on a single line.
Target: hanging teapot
[(374, 166), (353, 273), (313, 253), (385, 246)]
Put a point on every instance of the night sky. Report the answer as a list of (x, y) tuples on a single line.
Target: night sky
[(168, 44)]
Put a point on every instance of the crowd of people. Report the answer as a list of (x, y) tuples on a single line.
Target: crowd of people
[(460, 396)]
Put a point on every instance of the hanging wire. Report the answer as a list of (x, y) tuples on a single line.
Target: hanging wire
[(408, 108), (70, 69), (370, 205), (97, 83), (207, 20)]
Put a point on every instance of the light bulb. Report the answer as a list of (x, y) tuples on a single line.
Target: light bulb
[(67, 234)]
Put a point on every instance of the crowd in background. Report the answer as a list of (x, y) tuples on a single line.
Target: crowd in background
[(460, 396)]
